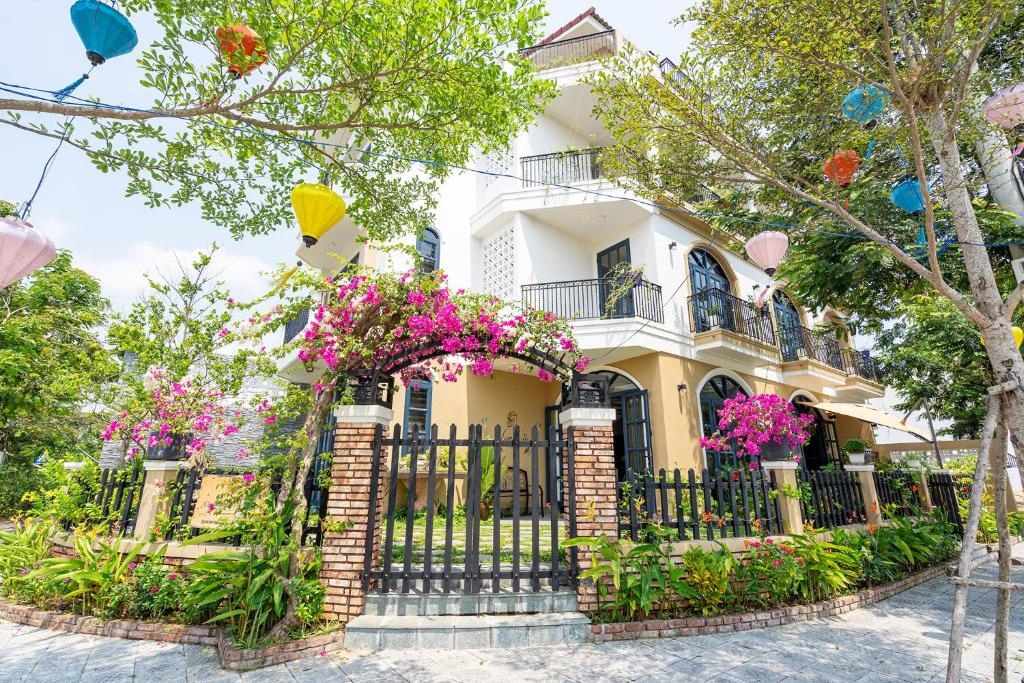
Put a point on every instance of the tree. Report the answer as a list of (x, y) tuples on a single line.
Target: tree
[(52, 366), (383, 83), (758, 102)]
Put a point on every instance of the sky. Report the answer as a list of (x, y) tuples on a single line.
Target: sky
[(118, 238)]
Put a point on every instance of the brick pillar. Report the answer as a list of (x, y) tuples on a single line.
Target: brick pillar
[(786, 473), (594, 476), (348, 502), (153, 502), (872, 505)]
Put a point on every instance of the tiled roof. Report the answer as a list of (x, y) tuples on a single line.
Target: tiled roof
[(592, 12)]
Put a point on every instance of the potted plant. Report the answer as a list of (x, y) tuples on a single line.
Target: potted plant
[(855, 451), (759, 427)]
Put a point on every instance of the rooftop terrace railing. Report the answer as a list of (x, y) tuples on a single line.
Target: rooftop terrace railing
[(560, 53)]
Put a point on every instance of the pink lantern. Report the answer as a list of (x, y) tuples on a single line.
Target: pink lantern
[(23, 250), (1006, 107), (766, 249)]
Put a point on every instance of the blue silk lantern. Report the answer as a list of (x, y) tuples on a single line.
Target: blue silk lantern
[(907, 196), (105, 32), (864, 104)]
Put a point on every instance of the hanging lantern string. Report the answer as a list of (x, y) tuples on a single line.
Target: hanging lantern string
[(26, 91), (26, 208), (66, 91)]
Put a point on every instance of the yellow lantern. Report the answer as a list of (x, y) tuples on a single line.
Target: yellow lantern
[(317, 207), (1018, 336)]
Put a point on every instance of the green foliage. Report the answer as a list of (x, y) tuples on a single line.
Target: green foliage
[(890, 552), (148, 590), (82, 580), (767, 574), (706, 579), (385, 82), (8, 208), (854, 446), (51, 366), (632, 579), (244, 589), (16, 480), (21, 550), (828, 569)]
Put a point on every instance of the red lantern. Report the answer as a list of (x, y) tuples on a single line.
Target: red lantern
[(840, 167), (241, 38)]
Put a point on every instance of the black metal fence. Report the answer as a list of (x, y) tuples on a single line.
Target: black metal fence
[(861, 364), (598, 298), (835, 499), (562, 168), (494, 535), (896, 493), (799, 342), (743, 503), (714, 308), (186, 491), (118, 496), (944, 489), (572, 50)]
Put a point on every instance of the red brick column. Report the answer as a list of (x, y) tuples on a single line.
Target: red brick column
[(594, 476), (349, 503)]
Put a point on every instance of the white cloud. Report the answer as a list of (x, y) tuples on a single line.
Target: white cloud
[(121, 272)]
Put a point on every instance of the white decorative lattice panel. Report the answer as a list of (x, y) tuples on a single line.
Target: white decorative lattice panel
[(498, 161), (499, 256)]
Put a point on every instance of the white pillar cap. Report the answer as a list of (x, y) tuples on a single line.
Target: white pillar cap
[(372, 414), (587, 417)]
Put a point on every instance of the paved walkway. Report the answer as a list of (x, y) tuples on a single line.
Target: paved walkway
[(901, 639)]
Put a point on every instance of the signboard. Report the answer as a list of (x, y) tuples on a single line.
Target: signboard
[(209, 511)]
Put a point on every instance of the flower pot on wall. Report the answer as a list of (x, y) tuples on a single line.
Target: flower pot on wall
[(175, 450), (775, 452), (857, 458)]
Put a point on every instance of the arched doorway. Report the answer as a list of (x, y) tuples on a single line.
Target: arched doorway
[(632, 426), (706, 272), (712, 398), (822, 449), (788, 320)]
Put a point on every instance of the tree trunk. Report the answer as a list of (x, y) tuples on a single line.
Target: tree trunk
[(294, 479), (1001, 654), (959, 617)]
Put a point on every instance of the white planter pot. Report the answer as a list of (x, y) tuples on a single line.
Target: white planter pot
[(856, 458), (912, 464)]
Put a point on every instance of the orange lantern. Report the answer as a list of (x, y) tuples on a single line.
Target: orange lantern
[(243, 40), (840, 167)]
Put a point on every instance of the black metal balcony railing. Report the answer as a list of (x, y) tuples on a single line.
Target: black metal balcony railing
[(860, 364), (562, 168), (799, 342), (714, 308), (293, 327), (572, 50), (597, 299)]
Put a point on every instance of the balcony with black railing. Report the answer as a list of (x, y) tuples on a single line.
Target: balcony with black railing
[(571, 51), (716, 309), (562, 168), (861, 364), (800, 343), (611, 298)]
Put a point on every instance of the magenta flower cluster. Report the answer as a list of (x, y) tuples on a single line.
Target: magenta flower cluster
[(376, 319), (174, 408), (753, 422)]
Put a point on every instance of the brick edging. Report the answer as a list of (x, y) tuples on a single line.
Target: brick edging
[(231, 658), (695, 626)]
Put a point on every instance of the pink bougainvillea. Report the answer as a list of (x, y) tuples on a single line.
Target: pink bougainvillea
[(174, 409), (753, 422), (416, 325)]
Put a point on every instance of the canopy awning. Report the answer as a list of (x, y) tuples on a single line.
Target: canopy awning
[(869, 414)]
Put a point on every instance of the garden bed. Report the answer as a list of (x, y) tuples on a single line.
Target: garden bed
[(231, 657), (727, 623)]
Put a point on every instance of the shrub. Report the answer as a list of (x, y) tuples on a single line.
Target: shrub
[(148, 590), (21, 550), (854, 446), (828, 569), (80, 581), (767, 574), (706, 579), (16, 480)]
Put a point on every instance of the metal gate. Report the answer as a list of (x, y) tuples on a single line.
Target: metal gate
[(454, 522)]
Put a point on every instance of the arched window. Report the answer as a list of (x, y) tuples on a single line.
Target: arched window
[(788, 320), (712, 397), (428, 246), (706, 273)]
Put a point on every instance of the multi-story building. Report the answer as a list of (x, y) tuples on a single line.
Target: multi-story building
[(542, 223)]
